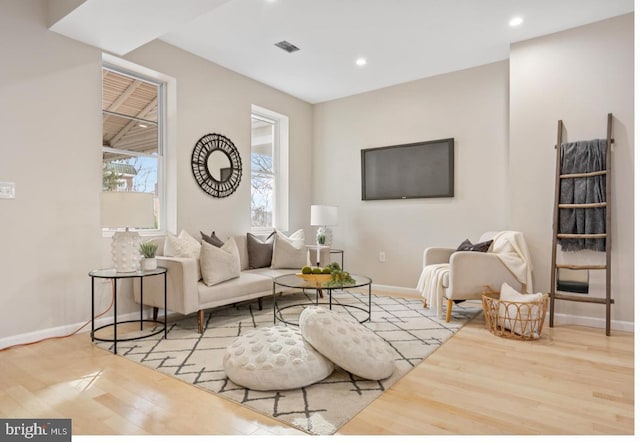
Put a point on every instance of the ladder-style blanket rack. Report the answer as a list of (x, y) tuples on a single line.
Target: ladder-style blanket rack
[(598, 240)]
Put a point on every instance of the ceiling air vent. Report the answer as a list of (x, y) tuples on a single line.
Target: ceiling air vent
[(285, 45)]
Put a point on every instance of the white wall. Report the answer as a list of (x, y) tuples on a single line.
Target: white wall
[(577, 76), (51, 136), (51, 125), (472, 107), (212, 99)]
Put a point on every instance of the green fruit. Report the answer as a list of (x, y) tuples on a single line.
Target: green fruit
[(316, 271), (306, 270), (326, 271)]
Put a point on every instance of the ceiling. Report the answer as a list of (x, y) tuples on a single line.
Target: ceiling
[(402, 40)]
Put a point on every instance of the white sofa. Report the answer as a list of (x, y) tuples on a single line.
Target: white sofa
[(187, 293)]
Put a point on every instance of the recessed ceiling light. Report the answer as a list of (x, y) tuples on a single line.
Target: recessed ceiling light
[(361, 61), (144, 126), (515, 21)]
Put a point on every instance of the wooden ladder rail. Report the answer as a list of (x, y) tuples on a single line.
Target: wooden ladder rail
[(557, 206)]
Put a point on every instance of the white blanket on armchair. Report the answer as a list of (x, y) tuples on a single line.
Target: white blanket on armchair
[(431, 287), (512, 249)]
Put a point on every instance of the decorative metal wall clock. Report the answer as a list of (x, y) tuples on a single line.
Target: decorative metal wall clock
[(216, 165)]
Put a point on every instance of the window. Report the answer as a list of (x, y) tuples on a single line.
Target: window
[(269, 167), (132, 136)]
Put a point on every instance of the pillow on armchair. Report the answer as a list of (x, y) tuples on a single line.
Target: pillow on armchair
[(467, 246)]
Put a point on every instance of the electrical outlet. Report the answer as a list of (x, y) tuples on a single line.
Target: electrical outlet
[(7, 190), (382, 257)]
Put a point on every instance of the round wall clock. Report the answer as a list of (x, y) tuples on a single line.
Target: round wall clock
[(216, 165)]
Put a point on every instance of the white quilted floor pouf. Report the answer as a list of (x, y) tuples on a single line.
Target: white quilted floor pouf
[(274, 358), (347, 343)]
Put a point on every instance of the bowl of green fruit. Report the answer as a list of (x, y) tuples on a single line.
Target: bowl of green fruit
[(331, 276), (315, 275)]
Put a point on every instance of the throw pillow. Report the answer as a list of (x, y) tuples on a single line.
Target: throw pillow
[(289, 252), (219, 264), (518, 312), (274, 358), (467, 246), (183, 245), (259, 251), (347, 343), (212, 239)]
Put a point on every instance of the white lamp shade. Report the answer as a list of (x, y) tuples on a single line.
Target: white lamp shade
[(127, 209), (324, 215)]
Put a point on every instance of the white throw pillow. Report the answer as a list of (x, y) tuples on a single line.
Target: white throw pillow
[(219, 264), (183, 245), (520, 319), (289, 252), (347, 343), (274, 358)]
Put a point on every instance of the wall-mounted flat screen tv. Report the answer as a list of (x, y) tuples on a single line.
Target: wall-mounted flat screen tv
[(416, 170)]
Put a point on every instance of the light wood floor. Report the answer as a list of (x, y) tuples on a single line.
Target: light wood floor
[(575, 380)]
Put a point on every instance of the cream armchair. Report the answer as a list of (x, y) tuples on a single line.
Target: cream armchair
[(458, 276)]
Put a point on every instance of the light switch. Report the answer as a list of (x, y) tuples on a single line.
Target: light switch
[(7, 190)]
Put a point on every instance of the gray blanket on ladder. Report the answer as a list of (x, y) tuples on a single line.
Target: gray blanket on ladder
[(581, 157)]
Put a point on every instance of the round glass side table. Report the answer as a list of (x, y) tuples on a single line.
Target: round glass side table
[(115, 277)]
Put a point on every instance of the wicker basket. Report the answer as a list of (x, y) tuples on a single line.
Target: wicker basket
[(515, 320)]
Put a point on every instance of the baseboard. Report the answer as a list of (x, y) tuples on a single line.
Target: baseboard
[(560, 319), (64, 330), (395, 289), (588, 321)]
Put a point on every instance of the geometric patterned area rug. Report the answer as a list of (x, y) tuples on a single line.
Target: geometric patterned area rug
[(321, 408)]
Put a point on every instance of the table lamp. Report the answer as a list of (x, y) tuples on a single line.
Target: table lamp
[(126, 210), (324, 216)]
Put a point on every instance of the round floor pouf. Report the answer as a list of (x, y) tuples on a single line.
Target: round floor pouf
[(347, 343), (274, 358)]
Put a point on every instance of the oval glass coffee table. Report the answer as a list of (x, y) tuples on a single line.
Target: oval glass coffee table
[(295, 282)]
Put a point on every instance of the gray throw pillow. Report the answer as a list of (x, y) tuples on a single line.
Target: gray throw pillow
[(467, 246), (259, 251), (212, 239)]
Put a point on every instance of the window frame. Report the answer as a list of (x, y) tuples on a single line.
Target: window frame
[(166, 154), (280, 168)]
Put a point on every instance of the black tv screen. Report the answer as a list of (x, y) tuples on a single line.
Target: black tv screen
[(416, 170)]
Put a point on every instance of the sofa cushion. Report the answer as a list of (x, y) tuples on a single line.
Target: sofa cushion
[(212, 239), (243, 287), (219, 264), (241, 242), (347, 343), (259, 250), (270, 273), (274, 358), (289, 252), (183, 245)]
